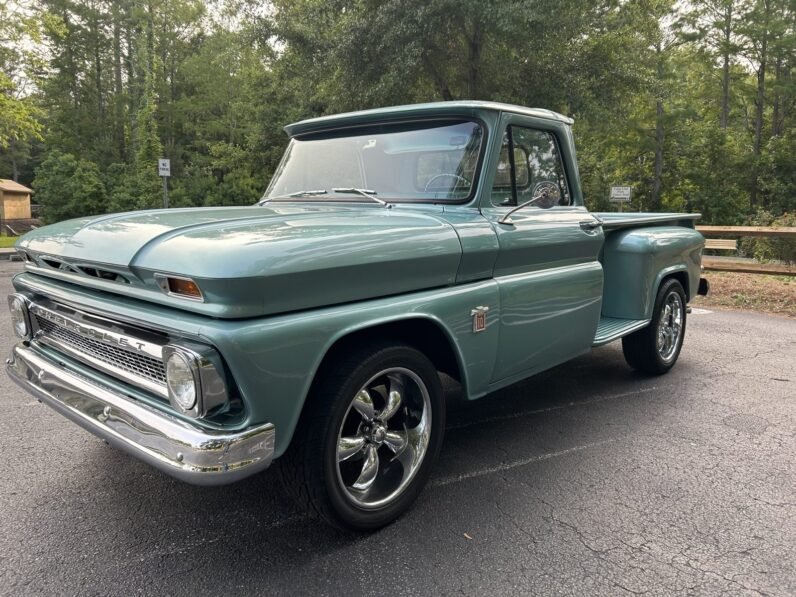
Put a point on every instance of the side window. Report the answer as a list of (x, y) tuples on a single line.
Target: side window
[(536, 160)]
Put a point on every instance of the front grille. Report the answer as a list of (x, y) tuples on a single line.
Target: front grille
[(137, 364)]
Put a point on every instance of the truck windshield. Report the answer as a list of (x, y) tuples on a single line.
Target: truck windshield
[(419, 161)]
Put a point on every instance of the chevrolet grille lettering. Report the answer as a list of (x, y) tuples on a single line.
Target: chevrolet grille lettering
[(88, 331)]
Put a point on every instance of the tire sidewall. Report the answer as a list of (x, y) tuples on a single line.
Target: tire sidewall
[(349, 514)]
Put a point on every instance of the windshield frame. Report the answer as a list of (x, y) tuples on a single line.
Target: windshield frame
[(351, 129)]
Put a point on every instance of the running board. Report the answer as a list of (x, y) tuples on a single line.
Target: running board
[(613, 328)]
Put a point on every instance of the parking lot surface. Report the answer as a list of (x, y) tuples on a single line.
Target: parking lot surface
[(586, 480)]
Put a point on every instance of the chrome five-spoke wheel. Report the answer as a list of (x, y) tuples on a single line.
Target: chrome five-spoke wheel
[(670, 325), (655, 348), (383, 437), (370, 433)]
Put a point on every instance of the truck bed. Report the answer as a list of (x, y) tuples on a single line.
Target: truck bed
[(618, 220)]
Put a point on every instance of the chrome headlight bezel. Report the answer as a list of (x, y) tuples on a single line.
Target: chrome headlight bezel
[(186, 395), (19, 303), (209, 384)]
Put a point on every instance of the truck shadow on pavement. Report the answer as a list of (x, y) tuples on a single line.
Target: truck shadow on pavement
[(170, 528)]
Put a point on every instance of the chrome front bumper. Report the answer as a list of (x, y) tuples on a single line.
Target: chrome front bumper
[(178, 448)]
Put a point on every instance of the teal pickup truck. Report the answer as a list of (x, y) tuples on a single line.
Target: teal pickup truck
[(390, 245)]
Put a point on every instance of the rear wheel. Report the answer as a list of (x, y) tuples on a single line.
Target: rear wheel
[(372, 428), (655, 348)]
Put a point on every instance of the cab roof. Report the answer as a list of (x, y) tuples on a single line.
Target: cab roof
[(456, 108)]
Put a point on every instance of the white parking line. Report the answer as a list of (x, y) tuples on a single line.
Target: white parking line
[(507, 466), (527, 413)]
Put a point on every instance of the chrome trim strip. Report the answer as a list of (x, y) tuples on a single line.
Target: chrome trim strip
[(39, 285), (79, 277), (187, 452)]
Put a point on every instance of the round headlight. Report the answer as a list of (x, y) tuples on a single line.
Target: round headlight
[(19, 316), (181, 381)]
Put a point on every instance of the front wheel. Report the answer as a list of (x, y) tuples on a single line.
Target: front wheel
[(655, 348), (371, 430)]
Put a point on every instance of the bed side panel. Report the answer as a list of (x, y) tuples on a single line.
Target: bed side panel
[(636, 260)]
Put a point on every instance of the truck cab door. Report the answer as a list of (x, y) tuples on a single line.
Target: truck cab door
[(547, 270)]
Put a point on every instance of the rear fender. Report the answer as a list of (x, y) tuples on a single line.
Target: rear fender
[(636, 261)]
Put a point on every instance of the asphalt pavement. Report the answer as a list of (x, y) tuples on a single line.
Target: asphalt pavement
[(586, 480)]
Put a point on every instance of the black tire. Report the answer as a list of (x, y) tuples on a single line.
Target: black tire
[(641, 348), (311, 471)]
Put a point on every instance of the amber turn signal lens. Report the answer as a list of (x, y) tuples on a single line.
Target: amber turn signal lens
[(184, 287)]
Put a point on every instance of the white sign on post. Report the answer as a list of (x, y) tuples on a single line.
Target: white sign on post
[(620, 194), (164, 170)]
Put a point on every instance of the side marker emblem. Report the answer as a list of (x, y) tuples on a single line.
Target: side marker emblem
[(479, 319)]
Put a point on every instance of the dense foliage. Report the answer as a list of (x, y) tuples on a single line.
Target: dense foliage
[(692, 104)]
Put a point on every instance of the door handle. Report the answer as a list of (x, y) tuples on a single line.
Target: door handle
[(590, 225)]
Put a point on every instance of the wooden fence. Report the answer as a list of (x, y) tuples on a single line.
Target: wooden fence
[(729, 265)]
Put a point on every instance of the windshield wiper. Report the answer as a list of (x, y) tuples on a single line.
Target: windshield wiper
[(307, 193), (311, 193), (364, 192)]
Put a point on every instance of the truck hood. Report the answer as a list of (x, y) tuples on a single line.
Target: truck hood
[(252, 261)]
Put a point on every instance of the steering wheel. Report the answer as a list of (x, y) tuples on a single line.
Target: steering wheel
[(449, 175)]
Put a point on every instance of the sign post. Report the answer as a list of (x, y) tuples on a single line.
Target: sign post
[(164, 170), (620, 195)]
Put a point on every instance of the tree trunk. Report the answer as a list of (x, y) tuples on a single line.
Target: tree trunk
[(150, 40), (777, 124), (660, 133), (760, 105), (118, 91), (12, 152), (474, 61), (131, 66), (70, 61), (439, 82), (725, 69), (172, 100), (655, 196), (98, 72)]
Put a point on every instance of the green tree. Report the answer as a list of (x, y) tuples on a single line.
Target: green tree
[(692, 105), (19, 115), (68, 187)]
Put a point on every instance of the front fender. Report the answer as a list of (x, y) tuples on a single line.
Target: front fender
[(275, 359)]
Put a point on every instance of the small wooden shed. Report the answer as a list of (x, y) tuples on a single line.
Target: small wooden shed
[(14, 200)]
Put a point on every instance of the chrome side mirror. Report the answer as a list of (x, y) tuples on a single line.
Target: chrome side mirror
[(546, 194)]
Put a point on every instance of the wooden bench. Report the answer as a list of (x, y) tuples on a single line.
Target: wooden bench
[(721, 244)]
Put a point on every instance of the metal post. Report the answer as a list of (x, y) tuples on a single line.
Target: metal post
[(165, 193)]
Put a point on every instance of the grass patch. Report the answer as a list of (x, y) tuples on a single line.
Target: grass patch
[(750, 292), (6, 242)]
